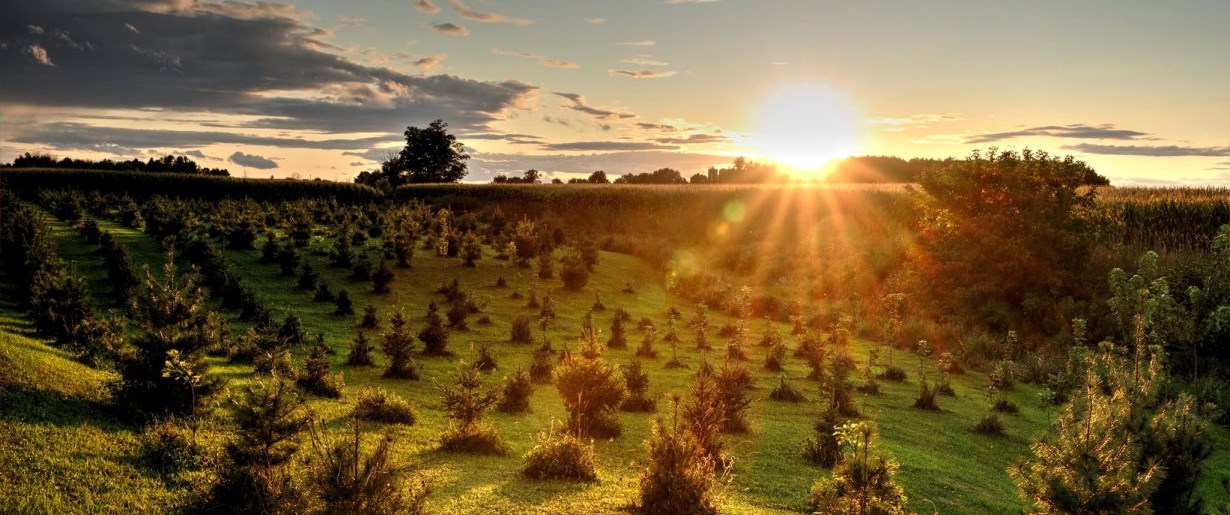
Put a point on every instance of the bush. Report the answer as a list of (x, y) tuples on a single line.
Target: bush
[(382, 278), (618, 338), (398, 346), (892, 373), (1005, 406), (269, 417), (169, 446), (560, 455), (520, 331), (592, 391), (926, 396), (824, 449), (484, 360), (775, 356), (734, 383), (465, 402), (435, 335), (637, 382), (679, 478), (989, 425), (786, 392), (515, 393), (349, 482), (863, 481), (344, 306), (575, 272), (360, 354), (315, 378), (378, 405)]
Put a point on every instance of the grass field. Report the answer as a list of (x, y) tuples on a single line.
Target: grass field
[(55, 408)]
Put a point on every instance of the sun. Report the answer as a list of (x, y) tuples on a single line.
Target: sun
[(804, 126)]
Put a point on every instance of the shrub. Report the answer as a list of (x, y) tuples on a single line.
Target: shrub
[(269, 417), (169, 446), (618, 339), (362, 270), (308, 277), (369, 319), (520, 331), (575, 272), (862, 482), (349, 482), (1001, 376), (1005, 406), (645, 349), (324, 293), (378, 405), (398, 346), (679, 478), (892, 373), (989, 425), (382, 278), (824, 449), (515, 392), (457, 313), (786, 392), (704, 416), (360, 354), (926, 396), (775, 356), (542, 368), (592, 391), (435, 335), (465, 401), (559, 455), (636, 379), (734, 384), (315, 378), (484, 360), (344, 306)]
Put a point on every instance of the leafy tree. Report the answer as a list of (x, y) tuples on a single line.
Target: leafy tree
[(431, 154), (1003, 235)]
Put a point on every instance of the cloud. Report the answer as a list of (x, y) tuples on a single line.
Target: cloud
[(426, 6), (540, 59), (77, 136), (39, 54), (577, 103), (640, 74), (656, 127), (483, 17), (252, 161), (1105, 131), (690, 1), (606, 146), (694, 139), (131, 28), (645, 60), (920, 120), (596, 21), (1149, 150), (642, 42), (450, 29), (350, 21), (429, 63), (35, 29), (1225, 165)]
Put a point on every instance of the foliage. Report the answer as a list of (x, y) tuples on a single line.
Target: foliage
[(349, 482), (315, 377), (466, 401), (560, 455), (862, 483), (786, 391), (636, 379), (592, 392), (824, 449), (379, 405), (360, 354), (515, 392), (399, 346), (269, 417), (680, 477), (435, 335)]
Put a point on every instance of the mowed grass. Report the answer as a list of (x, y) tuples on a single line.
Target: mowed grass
[(944, 467)]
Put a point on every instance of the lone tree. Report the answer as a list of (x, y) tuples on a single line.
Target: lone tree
[(431, 154)]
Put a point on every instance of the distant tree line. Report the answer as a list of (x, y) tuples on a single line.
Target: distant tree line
[(166, 164)]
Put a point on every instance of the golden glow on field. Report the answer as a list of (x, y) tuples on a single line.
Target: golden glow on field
[(804, 126)]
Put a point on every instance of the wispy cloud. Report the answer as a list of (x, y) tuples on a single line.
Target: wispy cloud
[(694, 139), (690, 1), (1079, 130), (640, 74), (1149, 150), (430, 63), (427, 6), (601, 146), (577, 103), (131, 28), (920, 120), (645, 60), (540, 59), (642, 42), (483, 17), (39, 54), (656, 127), (596, 21), (451, 29), (1224, 165)]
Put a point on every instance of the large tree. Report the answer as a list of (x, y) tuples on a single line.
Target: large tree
[(431, 154)]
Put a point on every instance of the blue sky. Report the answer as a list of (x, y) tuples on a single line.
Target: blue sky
[(1139, 90)]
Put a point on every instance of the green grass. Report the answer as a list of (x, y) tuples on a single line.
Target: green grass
[(943, 466)]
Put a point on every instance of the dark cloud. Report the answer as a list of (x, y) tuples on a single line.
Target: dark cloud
[(1149, 150), (75, 136), (577, 103), (225, 58), (640, 74), (656, 127), (1083, 131), (452, 29), (252, 161), (483, 17), (606, 146)]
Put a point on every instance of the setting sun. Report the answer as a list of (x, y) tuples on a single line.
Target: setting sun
[(805, 126)]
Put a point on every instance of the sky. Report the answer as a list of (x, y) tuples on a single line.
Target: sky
[(324, 89)]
